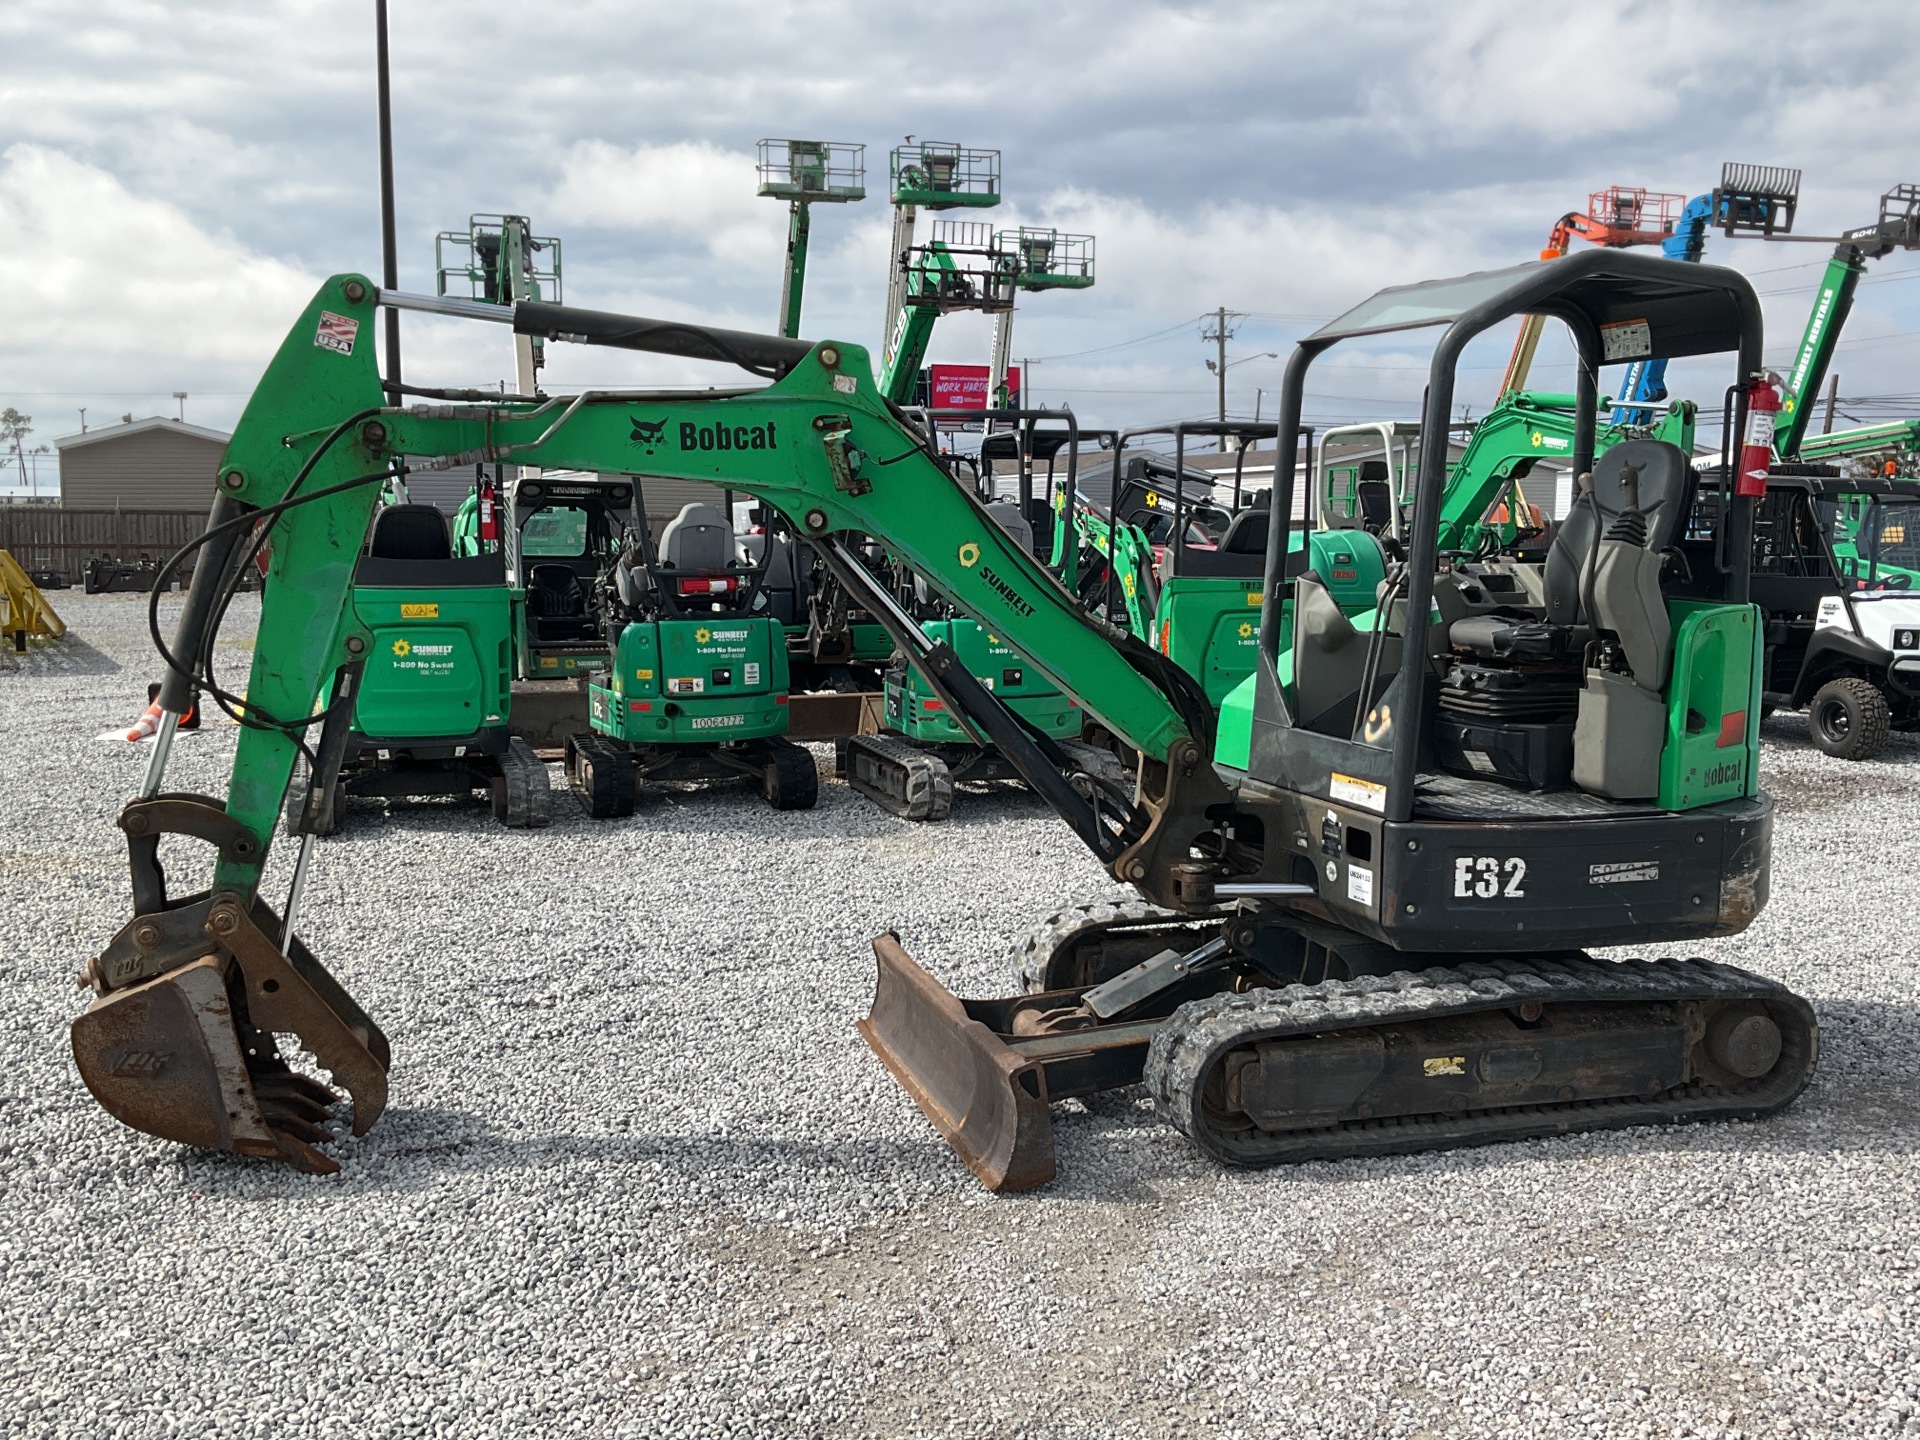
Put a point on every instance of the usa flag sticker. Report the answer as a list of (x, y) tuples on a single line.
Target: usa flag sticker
[(336, 333)]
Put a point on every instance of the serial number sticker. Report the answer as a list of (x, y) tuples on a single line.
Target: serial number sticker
[(717, 722), (845, 384), (752, 668), (1359, 885), (336, 333), (1364, 793), (1625, 872), (684, 685), (1444, 1065), (420, 612), (1626, 340), (1481, 761)]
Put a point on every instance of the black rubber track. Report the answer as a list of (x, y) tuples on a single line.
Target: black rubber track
[(900, 777), (790, 781), (600, 774), (1202, 1033)]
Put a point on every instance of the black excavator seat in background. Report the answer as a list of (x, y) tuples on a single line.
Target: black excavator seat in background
[(410, 532)]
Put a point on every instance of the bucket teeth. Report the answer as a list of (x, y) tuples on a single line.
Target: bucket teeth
[(189, 1055)]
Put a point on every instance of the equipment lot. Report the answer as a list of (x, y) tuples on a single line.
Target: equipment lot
[(640, 1176)]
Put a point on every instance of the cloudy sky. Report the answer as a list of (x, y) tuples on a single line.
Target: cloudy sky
[(176, 178)]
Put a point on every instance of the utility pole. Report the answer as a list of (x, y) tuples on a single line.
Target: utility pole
[(1220, 334), (83, 419), (389, 248), (181, 396), (1833, 399)]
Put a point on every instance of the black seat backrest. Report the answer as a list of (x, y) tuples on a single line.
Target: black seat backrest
[(1247, 535), (1375, 496), (1666, 494), (554, 591), (410, 532)]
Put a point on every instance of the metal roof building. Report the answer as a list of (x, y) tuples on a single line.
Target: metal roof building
[(151, 464)]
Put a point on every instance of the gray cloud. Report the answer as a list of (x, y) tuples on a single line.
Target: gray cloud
[(174, 177)]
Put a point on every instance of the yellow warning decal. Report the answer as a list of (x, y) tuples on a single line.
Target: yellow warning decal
[(1445, 1065), (643, 674), (425, 610), (1255, 597)]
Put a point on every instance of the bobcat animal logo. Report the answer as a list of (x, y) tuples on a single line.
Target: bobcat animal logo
[(647, 434)]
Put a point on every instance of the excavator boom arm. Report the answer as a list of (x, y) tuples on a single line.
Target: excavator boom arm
[(819, 445)]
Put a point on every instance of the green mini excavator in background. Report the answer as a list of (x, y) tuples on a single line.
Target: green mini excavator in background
[(431, 709), (697, 689), (1347, 948)]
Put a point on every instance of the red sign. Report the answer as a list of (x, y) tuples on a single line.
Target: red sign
[(964, 387)]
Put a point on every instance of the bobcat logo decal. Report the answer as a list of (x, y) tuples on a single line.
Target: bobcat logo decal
[(648, 434)]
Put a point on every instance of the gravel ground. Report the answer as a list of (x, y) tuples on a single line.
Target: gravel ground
[(640, 1177)]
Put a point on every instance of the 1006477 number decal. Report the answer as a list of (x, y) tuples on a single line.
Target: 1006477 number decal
[(1488, 877)]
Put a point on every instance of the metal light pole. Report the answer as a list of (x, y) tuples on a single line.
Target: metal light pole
[(389, 249)]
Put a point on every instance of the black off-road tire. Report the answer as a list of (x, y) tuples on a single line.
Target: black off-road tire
[(790, 781), (600, 774), (1849, 718)]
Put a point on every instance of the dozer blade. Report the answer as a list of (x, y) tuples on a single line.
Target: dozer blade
[(986, 1099), (189, 1055)]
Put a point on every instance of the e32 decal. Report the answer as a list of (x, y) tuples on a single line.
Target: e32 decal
[(1486, 877)]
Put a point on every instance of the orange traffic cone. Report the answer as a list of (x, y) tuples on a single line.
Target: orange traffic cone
[(149, 723)]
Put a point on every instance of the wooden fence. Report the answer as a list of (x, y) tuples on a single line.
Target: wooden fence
[(51, 537)]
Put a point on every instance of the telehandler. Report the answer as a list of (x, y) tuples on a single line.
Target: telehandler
[(1346, 951)]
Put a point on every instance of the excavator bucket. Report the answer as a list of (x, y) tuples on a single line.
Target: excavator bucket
[(190, 1055), (987, 1099)]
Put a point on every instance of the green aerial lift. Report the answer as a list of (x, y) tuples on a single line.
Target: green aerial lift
[(1890, 443), (932, 175), (1346, 950), (806, 173), (1762, 201)]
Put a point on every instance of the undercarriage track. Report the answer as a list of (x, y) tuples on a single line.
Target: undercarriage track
[(1490, 1050)]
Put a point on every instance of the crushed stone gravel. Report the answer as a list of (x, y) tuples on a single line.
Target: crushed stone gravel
[(641, 1178)]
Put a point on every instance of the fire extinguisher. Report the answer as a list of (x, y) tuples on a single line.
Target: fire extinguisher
[(1756, 448), (489, 516)]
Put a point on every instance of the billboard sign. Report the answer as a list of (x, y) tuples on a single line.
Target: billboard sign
[(964, 387)]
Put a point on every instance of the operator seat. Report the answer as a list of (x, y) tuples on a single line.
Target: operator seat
[(410, 532), (698, 539), (1375, 495), (556, 602), (1662, 478)]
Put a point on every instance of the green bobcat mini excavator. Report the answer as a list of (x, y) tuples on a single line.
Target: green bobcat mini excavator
[(1342, 946)]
